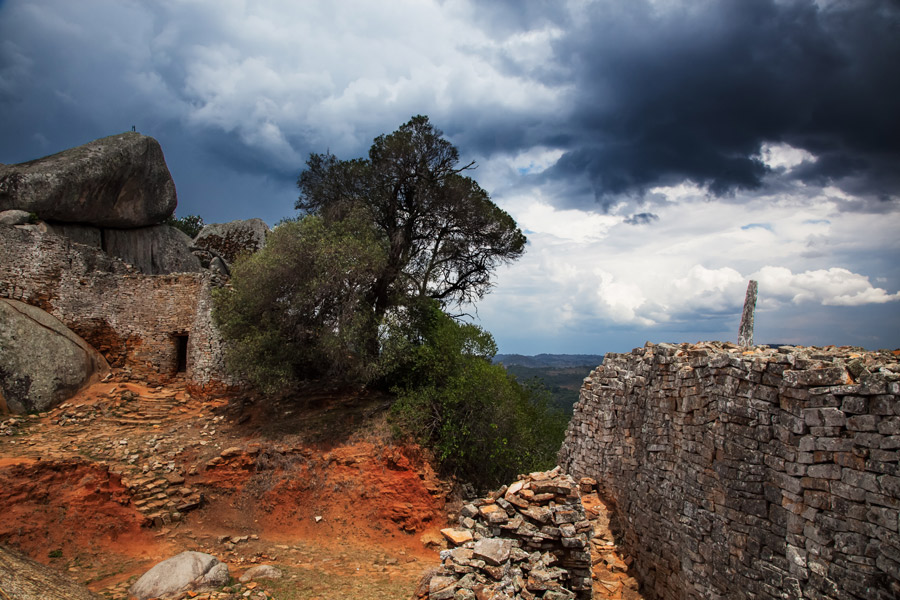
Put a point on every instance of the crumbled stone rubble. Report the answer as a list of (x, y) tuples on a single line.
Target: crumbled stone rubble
[(11, 426), (525, 541), (146, 462)]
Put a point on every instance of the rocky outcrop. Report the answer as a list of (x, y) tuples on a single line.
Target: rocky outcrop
[(188, 571), (113, 194), (157, 250), (120, 181), (230, 240), (154, 250), (526, 541), (42, 362), (24, 579)]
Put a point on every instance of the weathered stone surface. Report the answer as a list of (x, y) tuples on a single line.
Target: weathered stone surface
[(492, 551), (157, 250), (457, 536), (24, 579), (746, 472), (745, 332), (80, 234), (261, 572), (188, 571), (42, 362), (14, 217), (133, 319), (441, 588), (502, 557), (117, 181), (232, 239)]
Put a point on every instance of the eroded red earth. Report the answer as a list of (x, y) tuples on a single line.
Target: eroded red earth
[(102, 487)]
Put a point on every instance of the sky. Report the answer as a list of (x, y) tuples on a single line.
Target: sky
[(658, 154)]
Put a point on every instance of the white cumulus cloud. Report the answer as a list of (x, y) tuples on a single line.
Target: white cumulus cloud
[(830, 287)]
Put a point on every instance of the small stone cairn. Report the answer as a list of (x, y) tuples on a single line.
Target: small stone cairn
[(525, 541)]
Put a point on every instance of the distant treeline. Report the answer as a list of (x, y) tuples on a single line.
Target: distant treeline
[(550, 360), (561, 374)]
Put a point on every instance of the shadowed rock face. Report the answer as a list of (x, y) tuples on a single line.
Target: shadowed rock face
[(24, 579), (119, 181), (153, 250), (42, 362)]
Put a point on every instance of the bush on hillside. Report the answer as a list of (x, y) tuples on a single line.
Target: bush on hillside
[(483, 426), (296, 309)]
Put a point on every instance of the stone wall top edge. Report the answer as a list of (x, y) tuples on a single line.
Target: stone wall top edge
[(712, 348), (825, 369)]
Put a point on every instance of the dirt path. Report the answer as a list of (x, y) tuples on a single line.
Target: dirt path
[(125, 475)]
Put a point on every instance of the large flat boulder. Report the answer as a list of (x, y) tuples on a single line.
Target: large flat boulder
[(188, 571), (156, 250), (24, 579), (42, 362), (118, 181), (230, 240)]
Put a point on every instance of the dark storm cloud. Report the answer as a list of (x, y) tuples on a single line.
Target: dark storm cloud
[(667, 92), (637, 93)]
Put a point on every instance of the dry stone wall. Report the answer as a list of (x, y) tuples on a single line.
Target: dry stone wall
[(134, 320), (755, 473)]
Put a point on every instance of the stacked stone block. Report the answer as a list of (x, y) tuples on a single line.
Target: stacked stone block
[(131, 318), (526, 541), (748, 473)]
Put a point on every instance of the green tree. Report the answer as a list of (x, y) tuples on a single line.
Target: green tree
[(297, 308), (444, 236), (191, 224), (483, 425), (357, 288), (377, 236)]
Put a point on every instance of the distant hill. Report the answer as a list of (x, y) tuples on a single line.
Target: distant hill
[(550, 360), (561, 374)]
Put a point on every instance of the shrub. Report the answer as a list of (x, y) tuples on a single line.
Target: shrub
[(482, 424), (296, 309), (191, 224)]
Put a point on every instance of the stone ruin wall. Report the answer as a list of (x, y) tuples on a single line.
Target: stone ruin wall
[(756, 474), (131, 318)]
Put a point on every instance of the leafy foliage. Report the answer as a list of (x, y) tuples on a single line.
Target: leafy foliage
[(444, 236), (191, 224), (356, 290), (482, 425), (295, 309)]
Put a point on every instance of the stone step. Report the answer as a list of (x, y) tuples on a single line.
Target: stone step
[(134, 421)]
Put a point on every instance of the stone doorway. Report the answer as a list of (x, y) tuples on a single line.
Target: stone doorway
[(181, 352)]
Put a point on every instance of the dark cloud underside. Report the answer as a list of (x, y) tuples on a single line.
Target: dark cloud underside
[(692, 92)]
